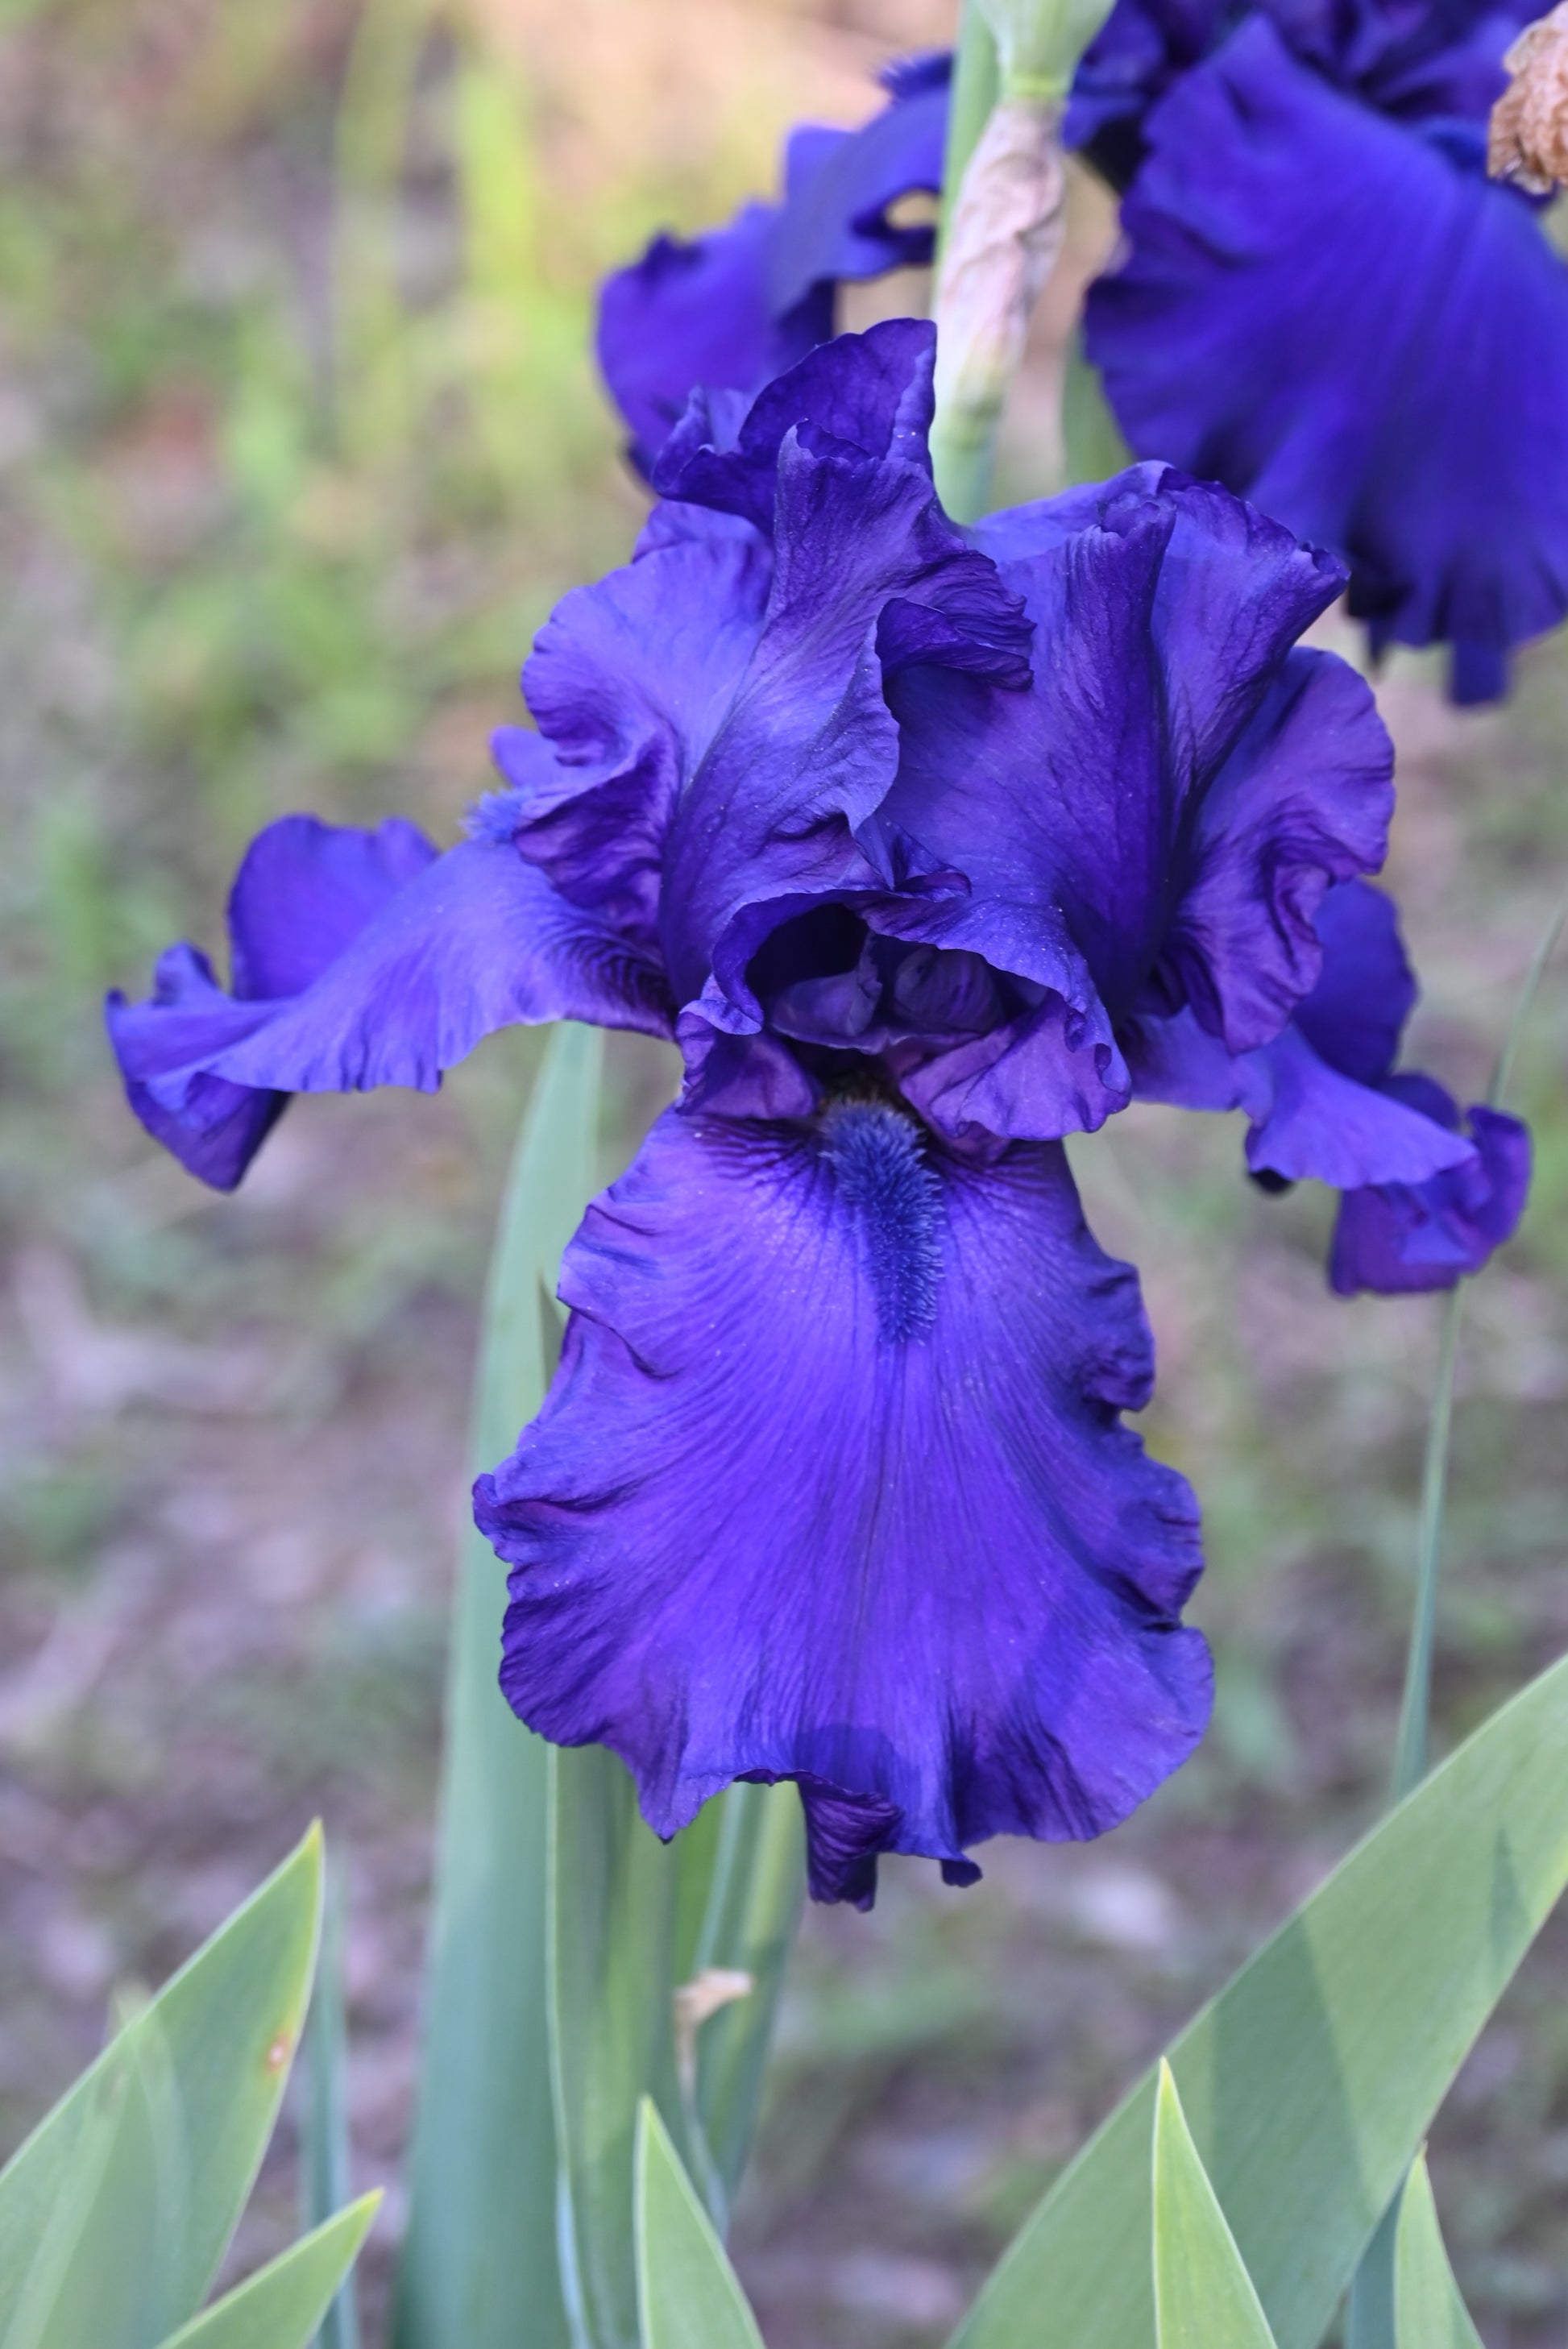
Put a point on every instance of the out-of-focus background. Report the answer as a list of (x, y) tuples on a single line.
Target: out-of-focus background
[(299, 440)]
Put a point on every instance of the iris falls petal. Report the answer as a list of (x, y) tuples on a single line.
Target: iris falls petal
[(833, 1486), (361, 959)]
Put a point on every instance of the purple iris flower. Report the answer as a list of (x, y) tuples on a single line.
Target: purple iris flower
[(917, 840), (1325, 303), (734, 308)]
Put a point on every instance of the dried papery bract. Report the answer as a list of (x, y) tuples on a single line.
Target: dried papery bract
[(1003, 236), (1528, 138)]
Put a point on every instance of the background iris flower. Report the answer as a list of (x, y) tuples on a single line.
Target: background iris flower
[(929, 847), (1326, 303), (732, 309)]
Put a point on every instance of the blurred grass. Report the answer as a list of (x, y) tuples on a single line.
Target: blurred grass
[(299, 441)]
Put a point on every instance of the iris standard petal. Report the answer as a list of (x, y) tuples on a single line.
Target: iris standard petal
[(1396, 1238), (715, 721), (630, 680), (1302, 799), (1181, 786), (809, 747), (871, 391), (833, 1486), (475, 940), (1327, 312), (699, 313)]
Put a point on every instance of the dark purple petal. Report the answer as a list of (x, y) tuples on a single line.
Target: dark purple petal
[(842, 185), (731, 310), (1395, 1237), (1302, 800), (1181, 787), (832, 1485), (476, 940), (306, 890), (629, 679), (871, 392), (1041, 1074), (213, 1128), (700, 313), (730, 1074), (1307, 1119), (714, 734), (1235, 593), (1356, 1015), (1143, 46), (809, 746), (1413, 59), (1324, 311), (1056, 804)]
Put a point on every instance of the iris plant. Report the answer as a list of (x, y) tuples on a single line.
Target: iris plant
[(928, 847)]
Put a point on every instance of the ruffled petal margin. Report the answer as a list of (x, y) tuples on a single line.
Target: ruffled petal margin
[(1324, 310), (361, 959), (833, 1486)]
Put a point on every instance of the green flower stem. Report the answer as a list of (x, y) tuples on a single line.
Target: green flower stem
[(1415, 1709), (977, 82), (1415, 1713)]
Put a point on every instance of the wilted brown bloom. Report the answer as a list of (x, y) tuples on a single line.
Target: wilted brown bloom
[(1528, 140)]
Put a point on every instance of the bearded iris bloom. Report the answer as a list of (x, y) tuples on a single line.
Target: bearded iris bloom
[(916, 841), (734, 308), (1326, 303)]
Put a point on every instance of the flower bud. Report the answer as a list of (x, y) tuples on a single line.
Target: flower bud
[(1528, 138)]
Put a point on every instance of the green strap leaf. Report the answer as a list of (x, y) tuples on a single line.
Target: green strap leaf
[(614, 1898), (138, 2176), (481, 2244), (1311, 2080), (1092, 446), (325, 2151), (1429, 2312), (666, 1967), (106, 2273), (756, 1888), (281, 2306), (689, 2295), (1204, 2297)]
